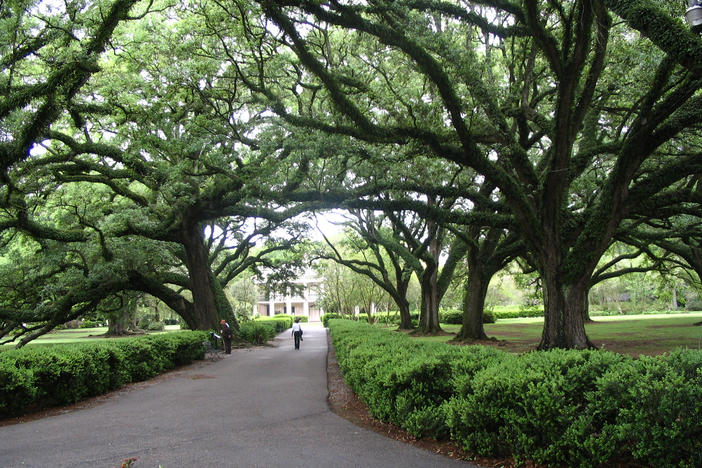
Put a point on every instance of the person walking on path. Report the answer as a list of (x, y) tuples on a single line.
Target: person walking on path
[(227, 336), (297, 332)]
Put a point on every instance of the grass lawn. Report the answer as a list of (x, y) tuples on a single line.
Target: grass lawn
[(632, 334), (80, 335)]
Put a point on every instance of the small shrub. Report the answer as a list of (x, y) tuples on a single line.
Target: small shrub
[(506, 312), (489, 316), (156, 326), (327, 317), (280, 322), (455, 317), (257, 332), (394, 317), (90, 323), (451, 316)]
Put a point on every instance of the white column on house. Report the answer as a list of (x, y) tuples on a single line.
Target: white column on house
[(305, 301), (288, 305), (271, 306)]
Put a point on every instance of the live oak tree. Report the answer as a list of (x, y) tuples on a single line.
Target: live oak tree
[(485, 251), (383, 265), (181, 155), (489, 252), (48, 53), (168, 163), (525, 94), (346, 292), (210, 116), (424, 241), (670, 246), (414, 244)]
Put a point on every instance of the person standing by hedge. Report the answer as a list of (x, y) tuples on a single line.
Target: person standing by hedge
[(297, 332), (227, 336)]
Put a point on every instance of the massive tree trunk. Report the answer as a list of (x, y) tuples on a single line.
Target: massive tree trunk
[(474, 292), (209, 303), (429, 281), (123, 321), (429, 317), (564, 326), (405, 317), (674, 300), (403, 305), (489, 252), (586, 308)]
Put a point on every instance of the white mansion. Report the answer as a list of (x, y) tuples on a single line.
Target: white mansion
[(302, 300)]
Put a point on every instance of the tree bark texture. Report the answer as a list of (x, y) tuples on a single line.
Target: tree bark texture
[(475, 290), (205, 314), (564, 326), (403, 305), (429, 318), (121, 322)]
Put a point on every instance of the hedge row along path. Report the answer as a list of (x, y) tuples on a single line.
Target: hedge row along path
[(258, 407)]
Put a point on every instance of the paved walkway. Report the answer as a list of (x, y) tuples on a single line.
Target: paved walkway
[(261, 407)]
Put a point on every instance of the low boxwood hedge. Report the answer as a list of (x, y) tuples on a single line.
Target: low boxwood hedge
[(281, 321), (447, 316), (301, 318), (507, 312), (557, 408), (40, 376), (260, 331), (392, 317), (455, 316), (327, 317)]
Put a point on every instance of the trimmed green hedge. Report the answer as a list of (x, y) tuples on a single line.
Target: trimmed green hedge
[(327, 317), (448, 316), (41, 376), (455, 316), (557, 408), (392, 317), (281, 322), (260, 331), (303, 318), (507, 312)]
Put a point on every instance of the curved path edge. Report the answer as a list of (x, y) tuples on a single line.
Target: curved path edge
[(258, 407)]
